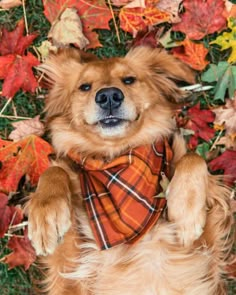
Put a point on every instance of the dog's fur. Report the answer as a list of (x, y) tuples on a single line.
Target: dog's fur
[(182, 254)]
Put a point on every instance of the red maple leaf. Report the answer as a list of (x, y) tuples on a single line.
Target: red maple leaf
[(191, 53), (133, 20), (15, 65), (23, 252), (197, 120), (93, 15), (226, 162), (9, 215), (28, 156), (15, 42), (201, 18)]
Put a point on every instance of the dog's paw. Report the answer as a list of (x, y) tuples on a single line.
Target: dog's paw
[(48, 222), (186, 199)]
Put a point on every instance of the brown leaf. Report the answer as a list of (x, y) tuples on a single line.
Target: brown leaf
[(7, 4), (172, 7), (68, 30), (226, 115), (27, 127)]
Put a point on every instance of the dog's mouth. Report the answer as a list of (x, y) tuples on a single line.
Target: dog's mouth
[(111, 121)]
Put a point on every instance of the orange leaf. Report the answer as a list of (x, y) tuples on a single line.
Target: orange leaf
[(133, 20), (191, 53), (23, 253), (28, 156)]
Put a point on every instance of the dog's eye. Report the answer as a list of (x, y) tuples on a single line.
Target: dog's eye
[(85, 87), (128, 80)]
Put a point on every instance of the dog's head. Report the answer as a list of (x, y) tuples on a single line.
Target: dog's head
[(105, 106)]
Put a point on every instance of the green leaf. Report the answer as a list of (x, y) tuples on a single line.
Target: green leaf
[(224, 74), (203, 149)]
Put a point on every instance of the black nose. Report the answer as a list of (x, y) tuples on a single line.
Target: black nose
[(109, 98)]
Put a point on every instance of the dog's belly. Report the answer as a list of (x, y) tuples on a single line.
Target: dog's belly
[(153, 266)]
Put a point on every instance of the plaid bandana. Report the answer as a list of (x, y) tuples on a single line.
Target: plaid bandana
[(120, 195)]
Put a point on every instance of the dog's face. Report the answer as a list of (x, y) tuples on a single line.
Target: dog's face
[(108, 105)]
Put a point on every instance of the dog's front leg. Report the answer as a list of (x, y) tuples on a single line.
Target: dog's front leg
[(49, 210), (186, 198)]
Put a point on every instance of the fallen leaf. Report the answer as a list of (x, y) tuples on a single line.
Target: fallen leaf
[(7, 4), (228, 40), (146, 38), (45, 48), (222, 163), (15, 42), (224, 75), (133, 20), (226, 115), (171, 7), (23, 252), (198, 120), (94, 14), (68, 30), (15, 65), (27, 127), (28, 156), (16, 70), (201, 18), (193, 54), (136, 3), (229, 141), (129, 3), (231, 267), (230, 9), (9, 215)]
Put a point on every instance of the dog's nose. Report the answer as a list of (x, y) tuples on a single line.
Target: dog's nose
[(109, 98)]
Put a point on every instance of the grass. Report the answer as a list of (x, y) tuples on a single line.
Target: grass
[(18, 281)]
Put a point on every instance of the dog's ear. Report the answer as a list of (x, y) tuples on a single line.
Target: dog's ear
[(163, 69), (60, 72)]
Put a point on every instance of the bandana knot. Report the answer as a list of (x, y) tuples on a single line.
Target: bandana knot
[(120, 195)]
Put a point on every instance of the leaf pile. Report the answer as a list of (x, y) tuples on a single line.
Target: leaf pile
[(201, 33)]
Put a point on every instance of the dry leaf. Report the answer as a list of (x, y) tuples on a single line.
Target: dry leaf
[(45, 48), (226, 115), (7, 4), (27, 127), (228, 141), (68, 30), (136, 3), (172, 7)]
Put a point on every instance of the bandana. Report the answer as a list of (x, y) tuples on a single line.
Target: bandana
[(120, 196)]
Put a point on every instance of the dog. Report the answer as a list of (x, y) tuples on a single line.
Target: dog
[(124, 209)]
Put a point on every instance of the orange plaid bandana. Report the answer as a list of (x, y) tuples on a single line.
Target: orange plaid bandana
[(120, 195)]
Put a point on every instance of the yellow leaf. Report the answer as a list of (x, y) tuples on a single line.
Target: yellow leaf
[(228, 40)]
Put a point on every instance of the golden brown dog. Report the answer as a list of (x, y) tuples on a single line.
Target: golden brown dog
[(98, 218)]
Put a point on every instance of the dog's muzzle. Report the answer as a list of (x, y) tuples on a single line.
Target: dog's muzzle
[(109, 100)]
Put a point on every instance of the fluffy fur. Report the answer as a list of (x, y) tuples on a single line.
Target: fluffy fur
[(185, 251)]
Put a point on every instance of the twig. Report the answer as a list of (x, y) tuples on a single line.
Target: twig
[(25, 18), (12, 235), (14, 117), (217, 139), (114, 20), (5, 106), (17, 227)]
